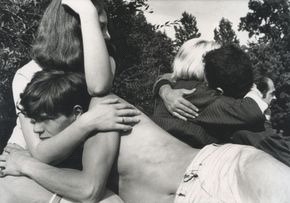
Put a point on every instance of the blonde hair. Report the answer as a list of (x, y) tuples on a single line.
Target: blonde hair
[(188, 62)]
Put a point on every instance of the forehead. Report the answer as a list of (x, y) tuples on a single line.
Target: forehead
[(46, 116), (271, 85)]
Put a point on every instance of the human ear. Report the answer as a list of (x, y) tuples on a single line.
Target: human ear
[(220, 90), (77, 111)]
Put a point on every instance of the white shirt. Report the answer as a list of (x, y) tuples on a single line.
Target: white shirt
[(22, 77)]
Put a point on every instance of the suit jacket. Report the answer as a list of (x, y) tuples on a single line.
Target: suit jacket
[(219, 116)]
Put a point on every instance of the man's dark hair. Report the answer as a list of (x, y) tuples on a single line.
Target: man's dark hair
[(229, 68), (263, 85), (52, 93)]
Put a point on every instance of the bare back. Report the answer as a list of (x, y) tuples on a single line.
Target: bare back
[(151, 163)]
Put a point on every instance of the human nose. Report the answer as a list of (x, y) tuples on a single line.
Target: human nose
[(37, 128), (107, 36)]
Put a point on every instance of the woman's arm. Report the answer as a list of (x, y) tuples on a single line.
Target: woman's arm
[(98, 71)]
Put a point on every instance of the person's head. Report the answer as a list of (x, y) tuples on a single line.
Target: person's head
[(188, 62), (53, 100), (267, 88), (229, 68), (58, 43)]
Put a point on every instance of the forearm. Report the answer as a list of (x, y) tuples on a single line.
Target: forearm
[(58, 147), (56, 180), (165, 79), (99, 75), (87, 185)]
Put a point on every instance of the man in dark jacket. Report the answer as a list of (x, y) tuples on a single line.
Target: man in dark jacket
[(225, 106)]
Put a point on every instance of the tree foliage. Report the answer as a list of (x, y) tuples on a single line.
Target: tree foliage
[(186, 30), (267, 19), (19, 20), (225, 34), (142, 53), (269, 22)]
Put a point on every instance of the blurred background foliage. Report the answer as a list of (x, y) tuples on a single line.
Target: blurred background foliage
[(143, 52)]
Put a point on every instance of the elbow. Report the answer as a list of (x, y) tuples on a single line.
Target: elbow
[(37, 154), (91, 193), (99, 90), (255, 118)]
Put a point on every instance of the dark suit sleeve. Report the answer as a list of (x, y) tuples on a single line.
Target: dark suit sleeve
[(162, 80), (228, 111)]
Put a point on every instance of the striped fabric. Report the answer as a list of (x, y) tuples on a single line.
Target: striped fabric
[(221, 120), (219, 116)]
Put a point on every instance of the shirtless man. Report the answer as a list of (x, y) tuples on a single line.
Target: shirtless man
[(152, 166)]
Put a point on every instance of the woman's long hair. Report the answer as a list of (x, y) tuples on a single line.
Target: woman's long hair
[(58, 44), (188, 62)]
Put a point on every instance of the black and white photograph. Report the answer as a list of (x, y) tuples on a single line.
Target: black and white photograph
[(144, 101)]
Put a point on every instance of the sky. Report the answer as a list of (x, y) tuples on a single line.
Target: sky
[(207, 12)]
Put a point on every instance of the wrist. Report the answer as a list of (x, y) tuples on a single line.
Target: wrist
[(84, 124), (164, 90), (25, 166)]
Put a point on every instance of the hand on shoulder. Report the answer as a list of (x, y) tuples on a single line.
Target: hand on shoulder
[(111, 115)]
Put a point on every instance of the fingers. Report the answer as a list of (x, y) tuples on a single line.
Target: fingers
[(2, 164), (3, 157), (9, 148), (128, 112), (2, 173), (184, 108), (111, 101), (188, 108), (188, 92), (184, 114), (124, 106), (128, 120), (15, 146), (179, 116), (123, 127)]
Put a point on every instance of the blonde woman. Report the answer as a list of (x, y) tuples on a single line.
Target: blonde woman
[(187, 65)]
